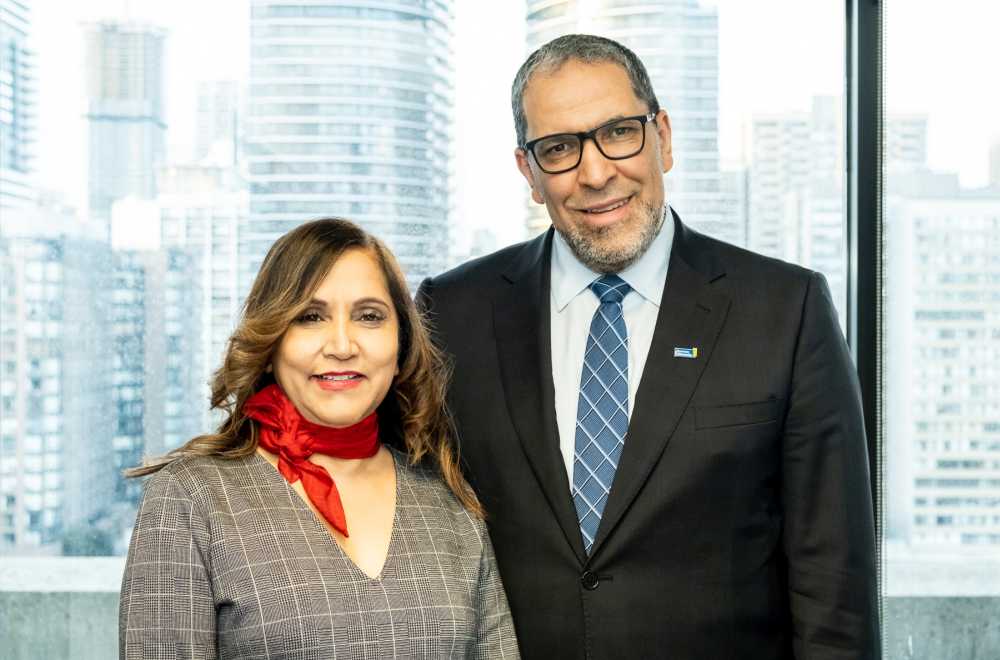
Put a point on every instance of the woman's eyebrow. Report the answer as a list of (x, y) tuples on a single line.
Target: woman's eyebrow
[(371, 299), (368, 300)]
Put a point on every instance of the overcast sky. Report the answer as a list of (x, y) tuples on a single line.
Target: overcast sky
[(775, 55)]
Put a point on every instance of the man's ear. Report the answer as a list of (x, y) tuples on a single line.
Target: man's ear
[(663, 132), (524, 165)]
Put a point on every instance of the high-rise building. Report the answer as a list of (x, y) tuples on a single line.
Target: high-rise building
[(734, 194), (780, 166), (155, 335), (201, 208), (796, 185), (995, 164), (125, 112), (17, 106), (794, 157), (52, 320), (56, 461), (942, 311), (350, 115), (906, 143), (796, 191), (797, 161), (678, 42), (218, 122), (128, 325), (156, 365)]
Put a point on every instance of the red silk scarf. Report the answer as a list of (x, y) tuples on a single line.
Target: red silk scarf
[(285, 432)]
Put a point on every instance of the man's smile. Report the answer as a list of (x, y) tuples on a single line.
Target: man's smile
[(609, 206)]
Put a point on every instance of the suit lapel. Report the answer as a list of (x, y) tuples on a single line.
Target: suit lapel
[(691, 315), (522, 325)]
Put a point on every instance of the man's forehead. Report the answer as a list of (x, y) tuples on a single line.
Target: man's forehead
[(578, 96)]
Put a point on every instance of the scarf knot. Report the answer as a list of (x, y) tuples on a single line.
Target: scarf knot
[(283, 431)]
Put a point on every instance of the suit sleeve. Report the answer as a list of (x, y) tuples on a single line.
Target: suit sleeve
[(828, 530), (166, 608), (495, 636)]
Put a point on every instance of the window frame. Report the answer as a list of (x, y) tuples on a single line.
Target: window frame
[(864, 151)]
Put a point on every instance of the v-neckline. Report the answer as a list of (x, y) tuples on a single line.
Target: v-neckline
[(319, 527)]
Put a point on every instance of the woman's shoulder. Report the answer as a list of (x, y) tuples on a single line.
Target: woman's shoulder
[(196, 474), (422, 475), (427, 486)]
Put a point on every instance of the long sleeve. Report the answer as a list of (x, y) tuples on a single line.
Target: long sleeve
[(495, 636), (826, 495), (166, 607)]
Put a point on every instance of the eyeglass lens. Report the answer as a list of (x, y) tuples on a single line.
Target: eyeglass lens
[(621, 139)]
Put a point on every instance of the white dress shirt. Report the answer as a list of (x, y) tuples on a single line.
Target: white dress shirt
[(572, 308)]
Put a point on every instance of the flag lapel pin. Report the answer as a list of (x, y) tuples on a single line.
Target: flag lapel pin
[(689, 352)]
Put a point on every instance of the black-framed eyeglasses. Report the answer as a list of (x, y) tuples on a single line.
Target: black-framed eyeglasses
[(618, 139)]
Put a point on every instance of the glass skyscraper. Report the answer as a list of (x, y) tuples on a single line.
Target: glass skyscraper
[(156, 323), (125, 112), (350, 115), (200, 209), (17, 106)]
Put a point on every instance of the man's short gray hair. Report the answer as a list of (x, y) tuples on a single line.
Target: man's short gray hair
[(586, 48)]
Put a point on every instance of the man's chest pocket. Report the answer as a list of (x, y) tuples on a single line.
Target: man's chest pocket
[(739, 444), (735, 415)]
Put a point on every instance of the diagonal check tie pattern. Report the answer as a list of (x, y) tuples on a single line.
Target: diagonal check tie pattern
[(602, 411)]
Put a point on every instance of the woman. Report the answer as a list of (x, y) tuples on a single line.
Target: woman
[(327, 517)]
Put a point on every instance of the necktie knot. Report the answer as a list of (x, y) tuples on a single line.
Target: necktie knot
[(610, 289)]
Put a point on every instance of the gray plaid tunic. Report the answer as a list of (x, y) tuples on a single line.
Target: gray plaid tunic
[(227, 561)]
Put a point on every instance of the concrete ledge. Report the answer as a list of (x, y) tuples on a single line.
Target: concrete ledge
[(68, 608), (60, 607), (73, 625), (938, 628), (71, 574)]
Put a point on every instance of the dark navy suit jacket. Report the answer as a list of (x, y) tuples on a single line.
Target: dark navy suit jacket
[(739, 523)]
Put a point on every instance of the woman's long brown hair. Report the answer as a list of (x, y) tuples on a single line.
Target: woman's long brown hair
[(413, 416)]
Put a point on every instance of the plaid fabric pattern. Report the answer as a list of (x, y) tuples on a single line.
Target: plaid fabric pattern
[(227, 561), (602, 413)]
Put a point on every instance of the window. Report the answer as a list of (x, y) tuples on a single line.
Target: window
[(116, 310), (941, 267)]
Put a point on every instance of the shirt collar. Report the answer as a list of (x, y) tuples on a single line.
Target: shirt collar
[(647, 276)]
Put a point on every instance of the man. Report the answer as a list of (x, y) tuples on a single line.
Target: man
[(665, 430)]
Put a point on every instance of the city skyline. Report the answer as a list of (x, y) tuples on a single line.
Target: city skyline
[(197, 227), (757, 76), (112, 327)]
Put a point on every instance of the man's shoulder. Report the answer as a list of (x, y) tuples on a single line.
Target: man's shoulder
[(482, 270), (737, 262)]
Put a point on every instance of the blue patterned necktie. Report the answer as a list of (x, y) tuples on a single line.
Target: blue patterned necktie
[(602, 412)]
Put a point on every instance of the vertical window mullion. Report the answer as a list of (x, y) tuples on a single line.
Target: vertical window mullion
[(864, 124)]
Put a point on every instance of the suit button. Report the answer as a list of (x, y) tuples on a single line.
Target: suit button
[(589, 580)]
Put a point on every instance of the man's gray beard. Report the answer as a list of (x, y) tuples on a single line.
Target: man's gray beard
[(614, 260)]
